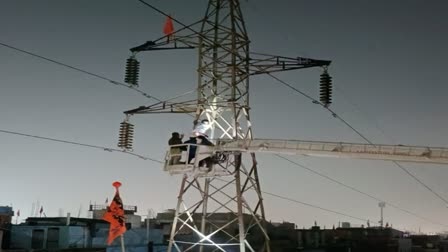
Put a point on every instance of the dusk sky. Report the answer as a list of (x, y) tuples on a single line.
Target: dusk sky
[(388, 71)]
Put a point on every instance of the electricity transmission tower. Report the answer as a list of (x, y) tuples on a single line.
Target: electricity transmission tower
[(230, 189)]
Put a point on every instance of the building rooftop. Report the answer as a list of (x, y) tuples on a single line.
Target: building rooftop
[(6, 210), (60, 221)]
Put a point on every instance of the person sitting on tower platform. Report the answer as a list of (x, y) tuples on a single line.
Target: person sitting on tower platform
[(175, 151), (192, 150)]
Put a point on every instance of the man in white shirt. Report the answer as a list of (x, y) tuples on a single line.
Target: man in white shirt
[(201, 128)]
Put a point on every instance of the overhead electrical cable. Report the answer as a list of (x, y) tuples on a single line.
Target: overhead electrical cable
[(363, 114), (184, 26), (79, 70), (360, 192), (319, 103), (314, 206), (79, 144), (421, 182), (305, 203), (158, 161), (359, 134), (272, 194), (149, 96), (95, 75)]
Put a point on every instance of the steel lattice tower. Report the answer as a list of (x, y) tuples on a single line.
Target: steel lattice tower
[(222, 208), (223, 98)]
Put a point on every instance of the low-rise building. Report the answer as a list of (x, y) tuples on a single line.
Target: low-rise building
[(6, 214), (426, 243), (85, 234), (77, 233), (356, 239)]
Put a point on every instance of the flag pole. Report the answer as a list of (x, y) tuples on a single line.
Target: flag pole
[(122, 243), (115, 216)]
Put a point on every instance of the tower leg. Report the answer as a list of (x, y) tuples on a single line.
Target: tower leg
[(204, 210), (267, 245), (242, 233), (220, 213), (176, 214)]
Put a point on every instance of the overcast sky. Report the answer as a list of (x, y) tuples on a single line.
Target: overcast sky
[(388, 70)]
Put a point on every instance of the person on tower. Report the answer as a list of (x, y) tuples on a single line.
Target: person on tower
[(175, 151), (200, 131), (192, 150)]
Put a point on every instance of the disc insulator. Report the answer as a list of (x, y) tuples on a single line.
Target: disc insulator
[(126, 136), (132, 71), (326, 89)]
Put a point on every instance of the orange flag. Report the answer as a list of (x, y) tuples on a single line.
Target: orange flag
[(115, 216), (168, 28)]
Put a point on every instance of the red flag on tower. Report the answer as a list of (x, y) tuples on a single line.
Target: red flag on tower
[(18, 213), (168, 28), (41, 210), (115, 216)]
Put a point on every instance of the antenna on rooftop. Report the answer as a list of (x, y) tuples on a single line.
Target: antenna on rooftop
[(36, 213), (79, 210), (381, 205), (33, 205)]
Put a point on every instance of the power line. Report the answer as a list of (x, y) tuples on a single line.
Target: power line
[(359, 134), (272, 194), (95, 75), (359, 191), (122, 151), (80, 144), (79, 70), (362, 113), (167, 15), (147, 158), (184, 26), (321, 104), (158, 161), (149, 96), (304, 203), (421, 182), (314, 206), (187, 27), (344, 122), (395, 162)]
